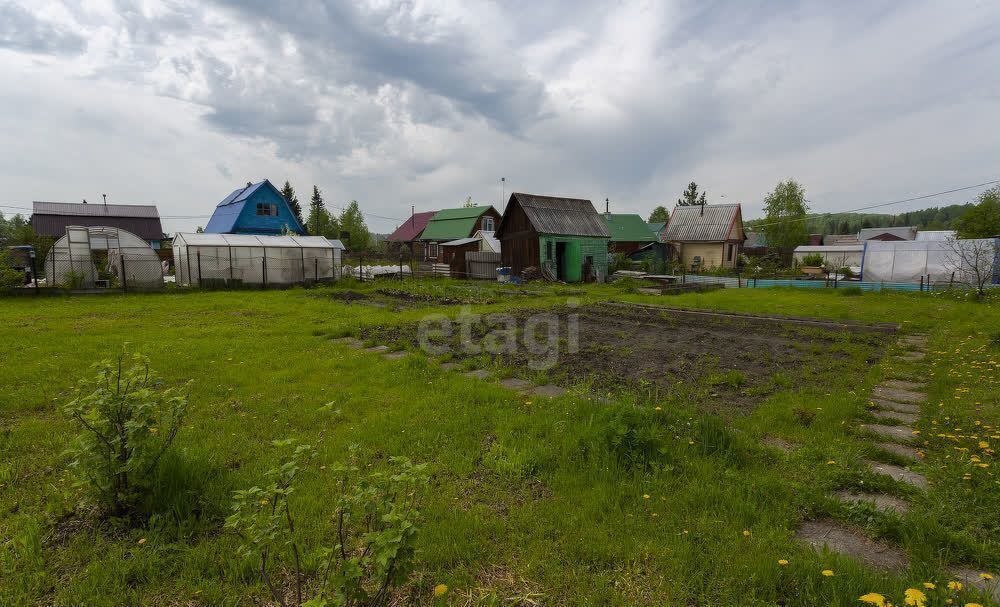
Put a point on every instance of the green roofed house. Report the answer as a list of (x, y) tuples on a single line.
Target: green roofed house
[(452, 224), (560, 238), (629, 232), (659, 228)]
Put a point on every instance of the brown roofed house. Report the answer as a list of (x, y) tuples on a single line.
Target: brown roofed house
[(706, 236)]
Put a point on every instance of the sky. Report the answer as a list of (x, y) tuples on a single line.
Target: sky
[(424, 103)]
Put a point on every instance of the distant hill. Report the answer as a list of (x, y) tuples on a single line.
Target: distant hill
[(934, 218)]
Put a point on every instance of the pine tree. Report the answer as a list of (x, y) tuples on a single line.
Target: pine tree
[(468, 204), (318, 215), (293, 202), (690, 196)]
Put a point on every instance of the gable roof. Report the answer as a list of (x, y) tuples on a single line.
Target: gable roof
[(625, 227), (451, 224), (411, 228), (555, 215), (656, 226), (94, 210), (902, 233), (689, 224), (52, 218), (228, 211)]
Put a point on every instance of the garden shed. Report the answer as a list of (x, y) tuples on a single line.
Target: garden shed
[(564, 238), (238, 259)]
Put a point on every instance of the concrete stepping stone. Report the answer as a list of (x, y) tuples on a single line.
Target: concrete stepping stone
[(902, 434), (348, 341), (548, 391), (513, 383), (779, 444), (901, 396), (891, 405), (971, 577), (902, 384), (478, 374), (918, 338), (850, 542), (377, 349), (913, 356), (898, 474), (901, 450), (906, 418), (881, 501), (449, 366), (394, 355)]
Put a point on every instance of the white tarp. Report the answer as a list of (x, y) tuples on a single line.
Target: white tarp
[(909, 260)]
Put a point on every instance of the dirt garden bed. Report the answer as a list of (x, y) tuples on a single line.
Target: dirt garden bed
[(724, 361)]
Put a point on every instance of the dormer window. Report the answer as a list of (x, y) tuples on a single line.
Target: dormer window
[(487, 223)]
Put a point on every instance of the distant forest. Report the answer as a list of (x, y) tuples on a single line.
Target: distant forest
[(934, 218)]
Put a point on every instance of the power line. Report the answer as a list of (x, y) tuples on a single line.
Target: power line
[(883, 204)]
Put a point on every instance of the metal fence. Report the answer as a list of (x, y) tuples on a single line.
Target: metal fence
[(740, 282)]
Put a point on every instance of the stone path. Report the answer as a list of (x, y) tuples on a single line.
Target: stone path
[(901, 450), (892, 405), (513, 383), (899, 416), (901, 434), (900, 396), (881, 502), (394, 355), (847, 540)]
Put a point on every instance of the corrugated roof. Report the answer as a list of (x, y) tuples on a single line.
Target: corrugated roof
[(904, 232), (627, 227), (656, 226), (460, 241), (935, 235), (251, 240), (412, 227), (555, 215), (689, 224), (829, 248), (94, 210), (449, 224)]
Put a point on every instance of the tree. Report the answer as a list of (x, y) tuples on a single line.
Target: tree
[(293, 202), (468, 204), (785, 218), (972, 261), (659, 215), (690, 196), (352, 221), (321, 222), (844, 227), (982, 220)]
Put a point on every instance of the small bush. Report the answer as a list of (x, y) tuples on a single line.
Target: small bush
[(813, 260), (127, 421)]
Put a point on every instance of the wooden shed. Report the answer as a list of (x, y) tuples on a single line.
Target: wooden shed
[(563, 237)]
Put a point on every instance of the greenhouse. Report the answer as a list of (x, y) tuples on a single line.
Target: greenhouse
[(102, 257), (935, 260), (244, 259)]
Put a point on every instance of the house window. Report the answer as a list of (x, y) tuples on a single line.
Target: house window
[(267, 210), (729, 252), (432, 250), (487, 224)]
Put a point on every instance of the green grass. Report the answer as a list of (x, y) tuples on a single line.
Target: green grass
[(530, 497)]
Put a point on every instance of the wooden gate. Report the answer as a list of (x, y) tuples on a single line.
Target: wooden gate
[(482, 264)]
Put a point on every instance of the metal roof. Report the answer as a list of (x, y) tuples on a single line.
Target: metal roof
[(194, 239), (904, 232), (449, 224), (656, 226), (628, 227), (460, 241), (830, 248), (227, 212), (94, 210), (411, 228), (690, 224), (935, 235), (555, 215), (490, 239)]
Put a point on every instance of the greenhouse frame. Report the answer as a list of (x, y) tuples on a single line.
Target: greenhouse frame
[(232, 260), (90, 257)]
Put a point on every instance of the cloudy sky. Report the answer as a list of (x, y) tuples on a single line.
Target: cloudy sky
[(423, 102)]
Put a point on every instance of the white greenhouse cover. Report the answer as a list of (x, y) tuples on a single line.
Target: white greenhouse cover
[(195, 239), (130, 259), (234, 259), (908, 260)]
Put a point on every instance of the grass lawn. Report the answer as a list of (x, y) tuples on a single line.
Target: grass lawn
[(531, 501)]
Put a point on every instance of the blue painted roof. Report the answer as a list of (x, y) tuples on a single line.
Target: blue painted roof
[(227, 212)]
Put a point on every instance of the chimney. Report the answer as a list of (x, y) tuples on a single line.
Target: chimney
[(84, 201), (702, 212), (105, 196), (249, 183), (607, 206)]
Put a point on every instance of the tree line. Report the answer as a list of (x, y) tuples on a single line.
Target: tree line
[(349, 226)]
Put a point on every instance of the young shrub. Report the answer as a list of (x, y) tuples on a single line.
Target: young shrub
[(812, 260), (127, 421), (370, 545)]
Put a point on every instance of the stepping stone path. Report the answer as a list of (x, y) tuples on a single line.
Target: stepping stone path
[(901, 450), (881, 502), (902, 384), (349, 341), (394, 355), (900, 396), (892, 405), (548, 391), (971, 577), (913, 356), (449, 366), (853, 543), (897, 473), (906, 418), (478, 374), (513, 383), (901, 434), (377, 349)]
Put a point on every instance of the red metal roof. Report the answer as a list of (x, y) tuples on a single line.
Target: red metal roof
[(412, 227)]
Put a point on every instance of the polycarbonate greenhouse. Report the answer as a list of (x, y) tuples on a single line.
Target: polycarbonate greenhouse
[(238, 259), (102, 256), (936, 260)]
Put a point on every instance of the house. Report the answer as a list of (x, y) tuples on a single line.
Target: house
[(628, 232), (658, 228), (258, 208), (706, 236), (841, 239), (488, 242), (565, 238), (409, 231), (755, 244), (888, 234), (453, 224), (52, 218)]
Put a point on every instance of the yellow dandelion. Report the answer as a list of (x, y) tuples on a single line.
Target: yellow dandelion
[(783, 562), (831, 462), (659, 408), (873, 598), (930, 585), (645, 496), (986, 576), (828, 572), (746, 533), (970, 604), (440, 589), (915, 598), (153, 430), (954, 586)]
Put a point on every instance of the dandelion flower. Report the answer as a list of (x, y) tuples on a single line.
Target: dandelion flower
[(973, 605), (828, 572), (783, 562), (954, 586), (873, 598), (986, 576), (746, 533), (915, 597), (831, 462), (930, 585), (440, 589)]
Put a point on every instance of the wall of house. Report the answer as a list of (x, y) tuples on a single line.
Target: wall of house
[(595, 248), (250, 222), (711, 254)]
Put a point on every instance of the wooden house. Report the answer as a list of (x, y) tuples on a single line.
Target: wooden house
[(564, 238), (453, 224), (409, 231), (629, 232), (259, 208), (706, 236)]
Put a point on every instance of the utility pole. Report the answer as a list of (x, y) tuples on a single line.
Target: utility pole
[(105, 196), (503, 190)]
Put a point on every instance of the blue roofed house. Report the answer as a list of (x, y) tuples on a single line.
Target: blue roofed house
[(258, 208)]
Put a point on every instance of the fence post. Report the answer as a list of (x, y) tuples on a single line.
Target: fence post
[(738, 285), (124, 276), (316, 268), (34, 271), (921, 283), (951, 280), (400, 266), (199, 266), (263, 270), (302, 257)]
